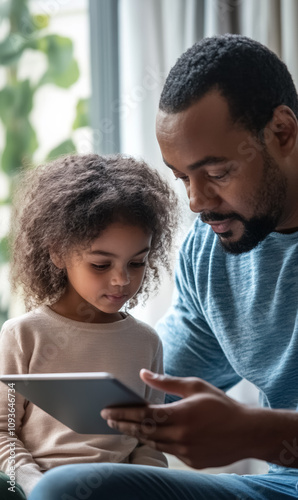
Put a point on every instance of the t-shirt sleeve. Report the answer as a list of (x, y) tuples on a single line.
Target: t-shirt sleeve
[(190, 347)]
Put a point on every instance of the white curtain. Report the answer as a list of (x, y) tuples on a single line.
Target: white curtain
[(272, 22), (153, 33)]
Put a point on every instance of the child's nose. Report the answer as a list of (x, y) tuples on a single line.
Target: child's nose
[(120, 277)]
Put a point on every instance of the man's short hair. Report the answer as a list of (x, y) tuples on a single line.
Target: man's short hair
[(251, 77)]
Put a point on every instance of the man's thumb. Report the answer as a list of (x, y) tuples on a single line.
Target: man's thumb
[(171, 385)]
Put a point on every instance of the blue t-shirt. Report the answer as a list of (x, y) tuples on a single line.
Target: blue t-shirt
[(236, 316)]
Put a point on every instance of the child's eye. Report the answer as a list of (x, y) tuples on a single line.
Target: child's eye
[(182, 178), (100, 267)]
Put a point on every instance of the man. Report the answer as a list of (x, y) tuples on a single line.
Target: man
[(227, 127)]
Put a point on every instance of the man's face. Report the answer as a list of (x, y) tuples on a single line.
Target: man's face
[(237, 188)]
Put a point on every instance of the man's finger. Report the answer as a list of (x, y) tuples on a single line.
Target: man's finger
[(158, 413), (166, 383), (147, 430), (132, 414), (180, 386)]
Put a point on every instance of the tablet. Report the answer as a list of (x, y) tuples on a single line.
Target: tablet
[(75, 399)]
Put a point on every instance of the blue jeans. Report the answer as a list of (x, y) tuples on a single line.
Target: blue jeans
[(139, 482)]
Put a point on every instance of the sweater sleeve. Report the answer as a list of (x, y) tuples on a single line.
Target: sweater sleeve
[(14, 457), (143, 454)]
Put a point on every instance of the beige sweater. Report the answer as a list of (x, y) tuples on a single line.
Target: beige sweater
[(45, 342)]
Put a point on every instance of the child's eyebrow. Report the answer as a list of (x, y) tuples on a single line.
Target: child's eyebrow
[(108, 254)]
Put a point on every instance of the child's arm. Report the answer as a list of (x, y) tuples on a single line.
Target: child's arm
[(14, 457), (27, 472), (143, 454)]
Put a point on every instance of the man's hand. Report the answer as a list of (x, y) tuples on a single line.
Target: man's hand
[(206, 428)]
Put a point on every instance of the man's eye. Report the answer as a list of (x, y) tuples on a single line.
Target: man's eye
[(137, 264), (219, 176)]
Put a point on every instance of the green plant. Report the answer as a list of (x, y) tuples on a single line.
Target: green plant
[(28, 32)]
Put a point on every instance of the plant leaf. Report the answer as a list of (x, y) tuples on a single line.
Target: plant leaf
[(5, 7), (41, 21), (7, 98), (82, 118), (68, 77), (63, 70), (21, 20), (15, 101), (58, 49), (11, 49), (66, 147), (21, 142), (4, 250)]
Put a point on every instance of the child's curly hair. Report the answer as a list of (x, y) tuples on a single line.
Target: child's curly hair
[(64, 205)]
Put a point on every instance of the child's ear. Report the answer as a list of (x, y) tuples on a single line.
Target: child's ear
[(57, 260)]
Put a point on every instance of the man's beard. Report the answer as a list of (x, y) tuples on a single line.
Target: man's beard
[(268, 206)]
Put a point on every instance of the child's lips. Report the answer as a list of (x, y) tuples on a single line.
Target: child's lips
[(116, 298)]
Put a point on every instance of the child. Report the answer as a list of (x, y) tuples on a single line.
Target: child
[(90, 234)]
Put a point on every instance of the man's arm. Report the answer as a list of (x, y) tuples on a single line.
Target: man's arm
[(207, 428)]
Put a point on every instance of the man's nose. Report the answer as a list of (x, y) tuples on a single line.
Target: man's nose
[(202, 196)]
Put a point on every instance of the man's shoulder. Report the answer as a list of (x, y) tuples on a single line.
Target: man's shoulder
[(200, 242)]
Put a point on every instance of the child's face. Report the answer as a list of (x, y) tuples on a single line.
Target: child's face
[(106, 275)]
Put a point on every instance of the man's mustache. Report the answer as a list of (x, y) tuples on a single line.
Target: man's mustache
[(218, 217)]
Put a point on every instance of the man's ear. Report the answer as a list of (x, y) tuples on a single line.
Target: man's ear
[(282, 131), (57, 260)]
